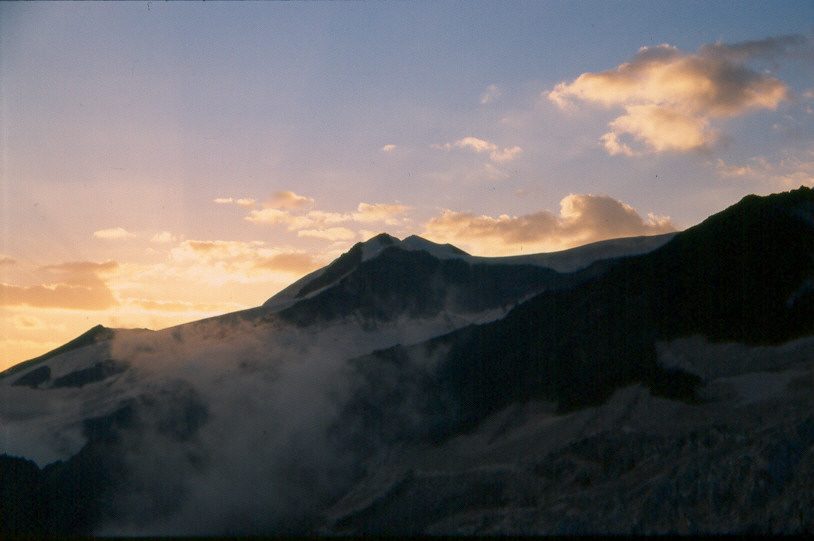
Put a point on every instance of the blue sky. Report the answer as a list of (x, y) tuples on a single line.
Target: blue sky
[(124, 122)]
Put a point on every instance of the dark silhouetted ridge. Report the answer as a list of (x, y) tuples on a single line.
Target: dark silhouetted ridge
[(93, 335), (744, 275)]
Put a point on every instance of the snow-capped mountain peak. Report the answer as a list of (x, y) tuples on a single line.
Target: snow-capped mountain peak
[(441, 251)]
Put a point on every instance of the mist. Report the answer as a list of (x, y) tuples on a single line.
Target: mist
[(239, 427)]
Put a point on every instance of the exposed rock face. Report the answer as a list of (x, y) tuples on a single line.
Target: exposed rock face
[(616, 469)]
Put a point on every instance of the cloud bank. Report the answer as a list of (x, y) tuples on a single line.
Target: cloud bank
[(75, 285), (582, 219)]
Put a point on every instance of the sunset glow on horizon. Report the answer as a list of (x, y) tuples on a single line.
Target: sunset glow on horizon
[(166, 162)]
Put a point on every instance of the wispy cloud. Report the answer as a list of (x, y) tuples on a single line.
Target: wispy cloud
[(330, 233), (163, 237), (482, 146), (788, 171), (114, 233), (327, 225), (490, 94), (766, 48), (729, 170), (389, 213), (671, 98), (27, 322), (240, 201), (223, 260), (388, 148), (582, 219)]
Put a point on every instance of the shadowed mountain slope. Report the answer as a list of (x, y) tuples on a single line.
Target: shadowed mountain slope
[(744, 275)]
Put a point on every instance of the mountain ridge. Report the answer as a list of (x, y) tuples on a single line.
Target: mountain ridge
[(369, 405), (571, 259)]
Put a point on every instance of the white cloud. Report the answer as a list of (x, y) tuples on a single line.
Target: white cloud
[(388, 148), (114, 233)]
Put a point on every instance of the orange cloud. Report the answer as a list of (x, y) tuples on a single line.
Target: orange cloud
[(663, 128), (77, 286), (582, 219), (288, 200), (7, 261), (289, 262), (670, 97)]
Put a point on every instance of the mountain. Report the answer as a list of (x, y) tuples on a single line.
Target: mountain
[(647, 385)]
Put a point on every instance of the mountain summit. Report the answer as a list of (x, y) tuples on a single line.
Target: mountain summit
[(566, 261), (411, 388)]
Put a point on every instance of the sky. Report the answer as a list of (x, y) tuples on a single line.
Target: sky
[(164, 162)]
